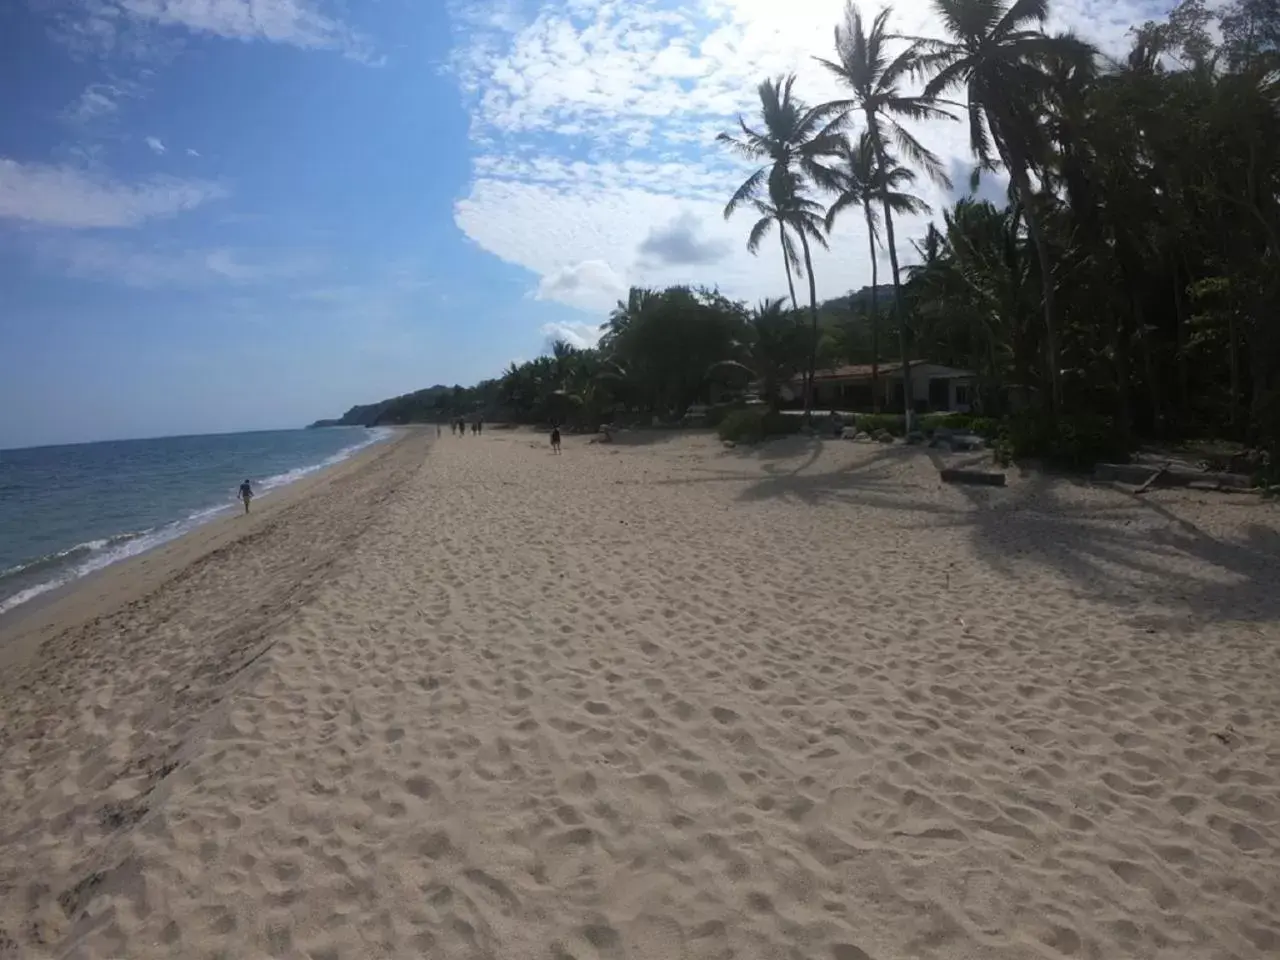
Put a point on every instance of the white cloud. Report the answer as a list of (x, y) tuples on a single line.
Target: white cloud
[(155, 144), (61, 196), (594, 123), (192, 152), (589, 284), (98, 101), (580, 335), (147, 267), (115, 26)]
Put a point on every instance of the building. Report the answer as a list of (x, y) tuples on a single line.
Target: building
[(933, 387)]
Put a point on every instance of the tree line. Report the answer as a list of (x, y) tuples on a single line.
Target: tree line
[(1131, 279)]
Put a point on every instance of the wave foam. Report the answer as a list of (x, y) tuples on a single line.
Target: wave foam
[(94, 555)]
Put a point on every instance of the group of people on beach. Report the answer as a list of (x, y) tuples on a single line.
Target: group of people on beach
[(459, 429)]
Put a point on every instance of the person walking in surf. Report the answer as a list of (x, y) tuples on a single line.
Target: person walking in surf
[(246, 494)]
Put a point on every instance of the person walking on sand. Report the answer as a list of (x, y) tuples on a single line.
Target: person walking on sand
[(479, 426), (246, 494), (555, 438)]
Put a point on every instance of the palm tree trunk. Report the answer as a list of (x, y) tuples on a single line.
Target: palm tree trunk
[(1233, 355), (786, 262), (810, 388), (1124, 401), (1184, 369), (874, 312), (1022, 184), (899, 313)]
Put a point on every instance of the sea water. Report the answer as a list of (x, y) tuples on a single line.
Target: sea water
[(67, 511)]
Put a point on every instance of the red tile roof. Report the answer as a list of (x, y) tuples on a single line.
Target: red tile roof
[(857, 370)]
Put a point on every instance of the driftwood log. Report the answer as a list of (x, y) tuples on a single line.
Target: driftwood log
[(1146, 476), (1153, 479)]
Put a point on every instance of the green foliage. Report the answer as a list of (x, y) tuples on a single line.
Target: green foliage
[(773, 349), (1072, 443), (986, 427), (717, 413), (753, 424), (873, 423)]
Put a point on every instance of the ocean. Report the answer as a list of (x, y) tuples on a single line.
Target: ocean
[(67, 511)]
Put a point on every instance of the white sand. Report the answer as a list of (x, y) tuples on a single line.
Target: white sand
[(665, 701)]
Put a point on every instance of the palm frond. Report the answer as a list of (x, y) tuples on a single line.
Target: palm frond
[(1020, 14), (897, 176), (758, 232), (841, 204), (979, 138), (900, 68), (907, 203), (832, 134), (721, 367), (916, 108), (748, 149), (750, 187), (920, 155), (815, 232), (950, 68)]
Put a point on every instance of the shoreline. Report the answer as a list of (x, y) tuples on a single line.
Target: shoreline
[(106, 688), (14, 621)]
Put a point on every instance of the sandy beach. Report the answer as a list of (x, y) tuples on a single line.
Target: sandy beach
[(462, 698)]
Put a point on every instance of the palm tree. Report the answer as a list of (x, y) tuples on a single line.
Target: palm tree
[(564, 356), (772, 211), (772, 350), (971, 286), (857, 182), (808, 220), (997, 52), (791, 145), (863, 64)]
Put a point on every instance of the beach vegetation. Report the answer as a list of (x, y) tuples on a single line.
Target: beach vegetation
[(1109, 275), (755, 424)]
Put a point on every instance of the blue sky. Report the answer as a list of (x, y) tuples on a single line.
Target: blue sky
[(239, 214)]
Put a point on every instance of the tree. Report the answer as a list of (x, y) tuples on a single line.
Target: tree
[(996, 53), (774, 212), (791, 144), (970, 292), (874, 78), (859, 180), (666, 341), (772, 351), (1250, 32)]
